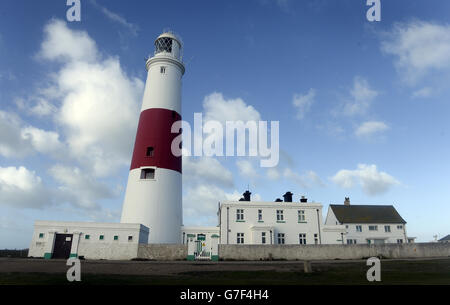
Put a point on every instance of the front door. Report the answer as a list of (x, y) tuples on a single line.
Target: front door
[(63, 244)]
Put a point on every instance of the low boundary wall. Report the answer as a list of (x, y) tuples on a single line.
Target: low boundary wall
[(170, 252), (162, 252), (325, 252)]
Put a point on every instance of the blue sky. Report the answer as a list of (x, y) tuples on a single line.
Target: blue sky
[(363, 107)]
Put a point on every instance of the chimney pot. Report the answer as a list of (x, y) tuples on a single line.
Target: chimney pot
[(288, 197), (347, 201)]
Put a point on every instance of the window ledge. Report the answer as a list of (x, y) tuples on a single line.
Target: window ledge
[(240, 220), (281, 221), (302, 222), (260, 220)]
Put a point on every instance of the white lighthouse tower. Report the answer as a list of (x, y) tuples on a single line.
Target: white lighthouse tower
[(153, 194)]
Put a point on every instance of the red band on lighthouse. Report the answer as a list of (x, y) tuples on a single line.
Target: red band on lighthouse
[(154, 139)]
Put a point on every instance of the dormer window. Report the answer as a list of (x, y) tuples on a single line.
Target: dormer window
[(149, 152)]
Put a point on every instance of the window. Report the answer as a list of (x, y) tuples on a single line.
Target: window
[(387, 229), (358, 228), (280, 216), (163, 69), (87, 236), (302, 238), (399, 227), (316, 240), (281, 238), (351, 241), (259, 215), (240, 215), (399, 241), (240, 238), (369, 241), (148, 173), (41, 235), (149, 152), (116, 237), (130, 238), (373, 228), (101, 237), (301, 215), (263, 237)]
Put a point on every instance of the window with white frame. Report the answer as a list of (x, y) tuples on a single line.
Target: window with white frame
[(302, 238), (259, 215), (280, 216), (263, 237), (373, 228), (301, 215), (351, 241), (316, 240), (387, 229), (148, 173), (281, 238), (399, 227), (240, 238), (240, 214), (358, 228), (399, 241)]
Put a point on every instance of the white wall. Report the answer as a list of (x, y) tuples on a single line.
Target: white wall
[(252, 228), (92, 248)]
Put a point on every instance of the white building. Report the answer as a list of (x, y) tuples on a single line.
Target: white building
[(279, 222), (369, 224), (90, 240)]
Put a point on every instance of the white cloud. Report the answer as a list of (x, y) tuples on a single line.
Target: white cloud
[(18, 141), (78, 188), (246, 169), (362, 96), (419, 47), (22, 188), (372, 181), (99, 102), (43, 108), (133, 28), (423, 93), (62, 44), (205, 170), (306, 180), (43, 141), (303, 102), (370, 128), (219, 109)]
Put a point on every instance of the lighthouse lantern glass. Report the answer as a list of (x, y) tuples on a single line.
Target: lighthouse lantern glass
[(163, 44)]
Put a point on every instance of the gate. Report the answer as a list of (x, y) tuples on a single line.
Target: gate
[(63, 244), (201, 253)]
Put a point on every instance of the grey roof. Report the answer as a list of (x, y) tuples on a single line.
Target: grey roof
[(366, 213), (445, 238)]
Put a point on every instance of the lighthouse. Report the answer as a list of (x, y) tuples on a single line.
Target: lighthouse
[(153, 194)]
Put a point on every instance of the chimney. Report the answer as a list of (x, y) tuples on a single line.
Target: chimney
[(303, 199), (347, 201), (246, 195), (278, 200), (288, 197)]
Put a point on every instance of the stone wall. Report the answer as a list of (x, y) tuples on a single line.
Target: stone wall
[(324, 252), (163, 252)]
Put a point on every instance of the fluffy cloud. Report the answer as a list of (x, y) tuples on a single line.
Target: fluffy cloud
[(423, 93), (303, 102), (63, 44), (217, 108), (22, 188), (206, 170), (419, 47), (370, 128), (246, 168), (99, 102), (16, 140), (372, 181), (79, 188), (362, 96)]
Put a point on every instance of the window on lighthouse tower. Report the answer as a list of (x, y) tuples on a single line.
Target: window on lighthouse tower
[(149, 152), (148, 173)]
